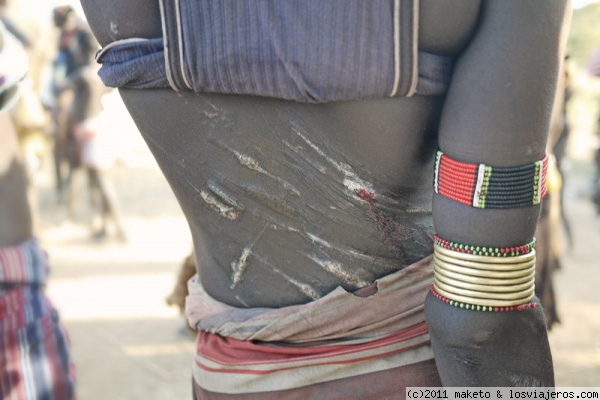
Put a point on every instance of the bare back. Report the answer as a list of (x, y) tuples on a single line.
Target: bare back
[(280, 215), (287, 200)]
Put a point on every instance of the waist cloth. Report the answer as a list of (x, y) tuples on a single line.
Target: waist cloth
[(307, 51), (342, 335), (34, 355)]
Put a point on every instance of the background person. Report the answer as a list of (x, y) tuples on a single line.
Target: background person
[(34, 361), (80, 125)]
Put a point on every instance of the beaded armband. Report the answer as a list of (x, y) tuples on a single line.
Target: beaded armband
[(485, 250), (488, 279), (484, 186), (467, 306)]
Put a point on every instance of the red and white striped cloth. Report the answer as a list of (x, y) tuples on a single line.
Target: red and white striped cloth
[(34, 347), (339, 336), (226, 365)]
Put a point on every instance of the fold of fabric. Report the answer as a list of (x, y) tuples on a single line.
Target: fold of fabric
[(397, 304), (226, 365), (313, 52), (341, 335)]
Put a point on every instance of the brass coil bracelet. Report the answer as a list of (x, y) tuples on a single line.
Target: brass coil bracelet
[(484, 280)]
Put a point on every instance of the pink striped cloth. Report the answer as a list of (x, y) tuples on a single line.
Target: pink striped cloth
[(23, 264), (339, 336)]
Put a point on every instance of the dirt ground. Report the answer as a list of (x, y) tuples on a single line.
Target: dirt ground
[(128, 344), (575, 341)]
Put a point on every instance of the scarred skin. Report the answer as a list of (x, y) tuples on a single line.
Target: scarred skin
[(271, 210)]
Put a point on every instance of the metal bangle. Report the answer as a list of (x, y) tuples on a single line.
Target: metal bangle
[(479, 280), (484, 288), (484, 295), (484, 273), (483, 302), (485, 266)]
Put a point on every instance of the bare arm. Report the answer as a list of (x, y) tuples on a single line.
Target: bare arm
[(114, 20), (497, 112), (15, 214)]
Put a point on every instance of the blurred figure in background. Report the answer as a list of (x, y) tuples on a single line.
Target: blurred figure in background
[(79, 122), (549, 244), (34, 355), (594, 69), (28, 116), (71, 94), (180, 291), (97, 154), (13, 27)]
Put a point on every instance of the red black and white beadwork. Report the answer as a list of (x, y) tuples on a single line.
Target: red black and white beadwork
[(484, 250), (484, 186), (521, 307)]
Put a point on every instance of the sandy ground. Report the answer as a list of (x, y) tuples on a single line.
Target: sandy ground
[(128, 344)]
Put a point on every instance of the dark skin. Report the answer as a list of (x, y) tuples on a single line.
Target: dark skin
[(16, 223), (262, 188)]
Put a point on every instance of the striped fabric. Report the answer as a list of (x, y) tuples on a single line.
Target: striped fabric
[(294, 43), (34, 356), (339, 336), (226, 365), (23, 264), (484, 186), (307, 51)]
